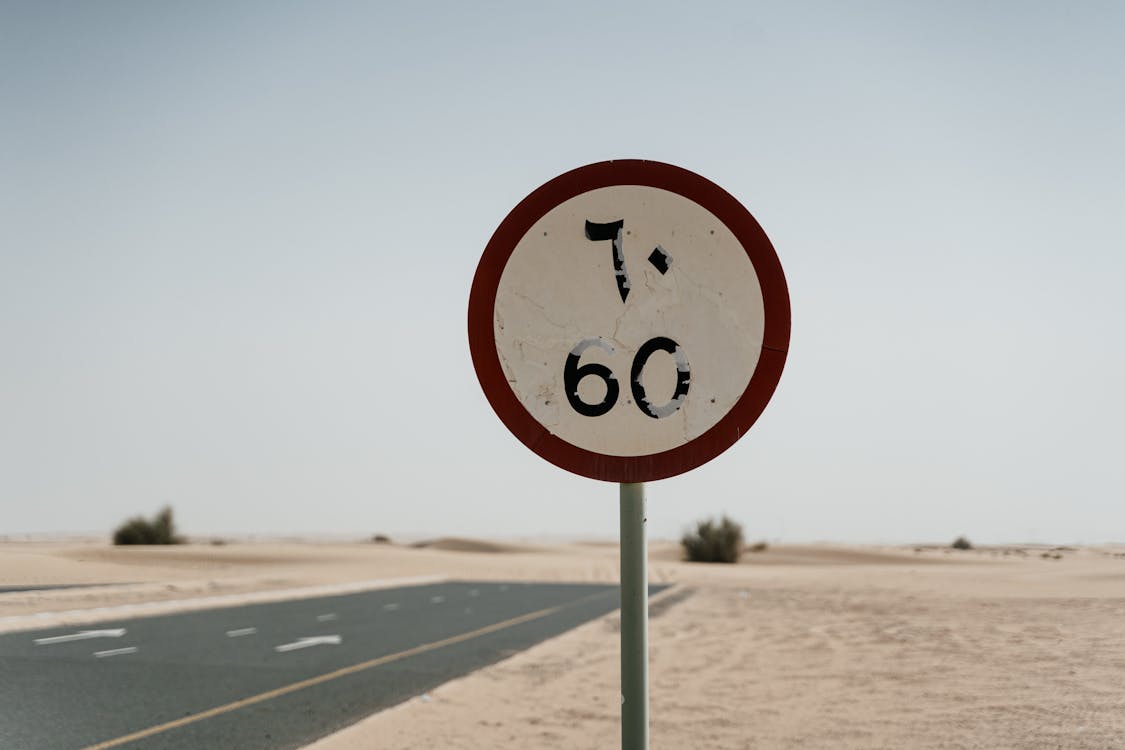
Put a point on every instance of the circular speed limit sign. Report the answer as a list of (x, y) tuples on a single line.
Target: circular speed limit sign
[(629, 321)]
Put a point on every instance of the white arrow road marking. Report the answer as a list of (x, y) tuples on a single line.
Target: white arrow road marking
[(437, 599), (326, 618), (241, 632), (81, 636), (116, 652), (320, 640)]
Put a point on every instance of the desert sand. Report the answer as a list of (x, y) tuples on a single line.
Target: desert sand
[(814, 646)]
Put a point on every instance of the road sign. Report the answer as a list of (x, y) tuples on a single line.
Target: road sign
[(629, 321)]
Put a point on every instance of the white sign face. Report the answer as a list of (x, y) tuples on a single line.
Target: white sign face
[(628, 320)]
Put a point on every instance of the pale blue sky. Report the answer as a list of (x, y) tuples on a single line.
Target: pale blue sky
[(237, 239)]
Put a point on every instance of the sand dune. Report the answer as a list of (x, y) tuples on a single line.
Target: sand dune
[(818, 554), (205, 557), (809, 554), (460, 544)]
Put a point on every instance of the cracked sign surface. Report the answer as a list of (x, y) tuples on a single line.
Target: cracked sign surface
[(629, 320), (564, 293)]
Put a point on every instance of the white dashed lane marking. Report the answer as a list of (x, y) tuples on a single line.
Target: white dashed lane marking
[(241, 632), (326, 618), (319, 640), (390, 607), (116, 652), (437, 599), (81, 636)]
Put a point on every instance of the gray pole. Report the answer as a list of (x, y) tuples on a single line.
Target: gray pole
[(634, 619)]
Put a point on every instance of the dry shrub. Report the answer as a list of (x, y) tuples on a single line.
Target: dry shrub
[(713, 541), (138, 530), (961, 543)]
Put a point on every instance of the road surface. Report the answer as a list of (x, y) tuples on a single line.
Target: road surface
[(275, 675)]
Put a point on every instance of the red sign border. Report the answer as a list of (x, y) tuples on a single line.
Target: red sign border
[(733, 425)]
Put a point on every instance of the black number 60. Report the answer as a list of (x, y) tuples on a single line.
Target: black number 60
[(573, 375)]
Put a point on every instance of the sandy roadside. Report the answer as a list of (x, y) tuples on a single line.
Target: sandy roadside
[(1024, 654)]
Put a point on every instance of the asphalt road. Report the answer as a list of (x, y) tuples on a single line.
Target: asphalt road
[(47, 587), (250, 677)]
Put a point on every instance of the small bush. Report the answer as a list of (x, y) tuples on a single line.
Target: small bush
[(961, 543), (758, 547), (381, 539), (160, 530), (713, 542)]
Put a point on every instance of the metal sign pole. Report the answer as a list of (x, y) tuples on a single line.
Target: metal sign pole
[(634, 619)]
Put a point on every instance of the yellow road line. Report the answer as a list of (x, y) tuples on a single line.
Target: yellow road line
[(343, 672)]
